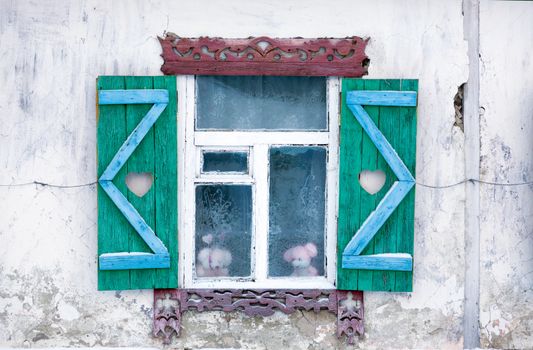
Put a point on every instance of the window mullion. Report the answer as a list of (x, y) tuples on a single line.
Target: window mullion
[(332, 177), (186, 114), (260, 170), (248, 138)]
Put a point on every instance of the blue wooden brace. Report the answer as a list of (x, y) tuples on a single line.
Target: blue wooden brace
[(133, 217), (127, 261), (124, 97), (382, 98), (382, 144), (377, 218), (133, 140), (391, 262), (133, 260), (351, 258)]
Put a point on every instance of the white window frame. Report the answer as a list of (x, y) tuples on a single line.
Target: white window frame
[(190, 144)]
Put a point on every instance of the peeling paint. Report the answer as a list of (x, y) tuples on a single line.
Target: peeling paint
[(67, 312)]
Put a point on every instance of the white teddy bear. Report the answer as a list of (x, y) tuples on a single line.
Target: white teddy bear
[(213, 262)]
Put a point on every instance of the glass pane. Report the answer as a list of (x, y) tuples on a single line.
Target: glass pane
[(297, 211), (225, 162), (223, 230), (261, 103)]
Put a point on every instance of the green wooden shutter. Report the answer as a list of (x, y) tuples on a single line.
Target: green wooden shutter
[(394, 115), (124, 104)]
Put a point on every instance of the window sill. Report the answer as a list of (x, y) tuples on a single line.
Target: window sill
[(274, 283)]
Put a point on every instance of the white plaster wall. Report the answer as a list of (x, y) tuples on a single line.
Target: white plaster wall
[(506, 97), (50, 55)]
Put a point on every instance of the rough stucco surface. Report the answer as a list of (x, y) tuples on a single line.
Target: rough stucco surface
[(506, 95), (52, 51)]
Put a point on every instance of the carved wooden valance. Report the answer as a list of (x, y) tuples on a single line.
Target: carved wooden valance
[(264, 56), (169, 304)]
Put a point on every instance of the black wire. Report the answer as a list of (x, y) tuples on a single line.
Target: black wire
[(478, 181), (39, 183), (49, 185)]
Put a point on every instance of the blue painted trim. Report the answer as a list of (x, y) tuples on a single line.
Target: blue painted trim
[(387, 262), (382, 144), (351, 258), (120, 97), (133, 217), (127, 261), (382, 98), (133, 140), (377, 218)]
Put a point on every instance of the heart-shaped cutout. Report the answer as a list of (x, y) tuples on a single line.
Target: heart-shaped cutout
[(139, 183), (372, 181)]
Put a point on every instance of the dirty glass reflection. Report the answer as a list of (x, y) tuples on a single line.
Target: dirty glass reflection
[(223, 230), (297, 211), (225, 162), (261, 103)]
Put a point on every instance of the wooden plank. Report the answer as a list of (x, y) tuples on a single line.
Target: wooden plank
[(391, 235), (137, 261), (142, 160), (166, 182), (406, 212), (133, 217), (382, 98), (112, 225), (127, 148), (139, 152), (377, 218), (385, 239), (368, 203), (262, 68), (381, 143), (288, 57), (381, 262), (133, 96), (351, 135)]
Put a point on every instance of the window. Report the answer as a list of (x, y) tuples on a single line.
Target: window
[(259, 164)]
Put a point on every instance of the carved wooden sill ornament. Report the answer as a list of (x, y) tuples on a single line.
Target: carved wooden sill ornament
[(169, 305), (264, 56)]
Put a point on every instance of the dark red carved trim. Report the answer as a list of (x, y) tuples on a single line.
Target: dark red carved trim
[(264, 56), (169, 304), (167, 313), (350, 314)]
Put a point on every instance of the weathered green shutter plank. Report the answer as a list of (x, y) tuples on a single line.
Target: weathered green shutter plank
[(113, 228), (357, 153), (369, 156), (349, 218), (385, 240), (166, 221), (406, 213), (158, 209), (142, 160)]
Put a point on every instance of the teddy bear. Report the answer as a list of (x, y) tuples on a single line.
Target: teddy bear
[(300, 258), (213, 262)]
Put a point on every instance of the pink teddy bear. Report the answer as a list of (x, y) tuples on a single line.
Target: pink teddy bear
[(300, 258)]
